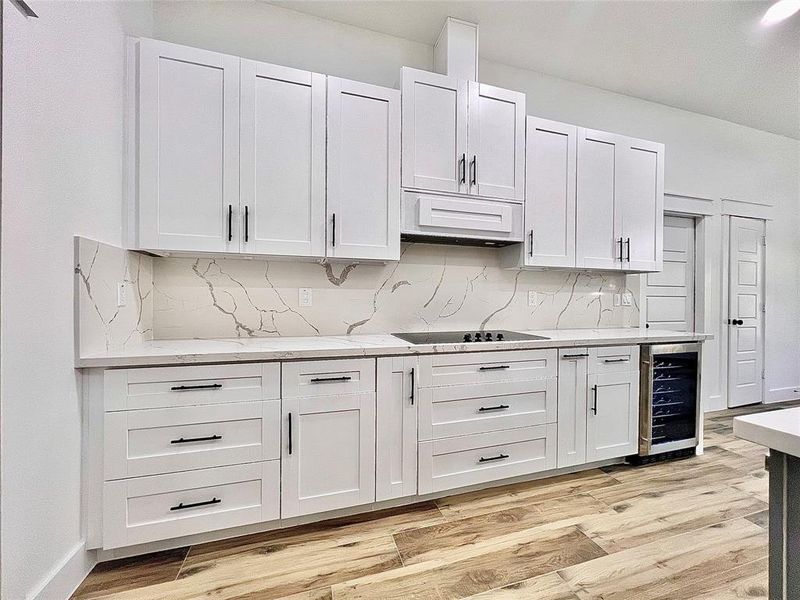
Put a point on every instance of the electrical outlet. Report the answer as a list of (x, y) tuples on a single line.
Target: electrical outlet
[(531, 298), (122, 293), (617, 300), (304, 297), (627, 299)]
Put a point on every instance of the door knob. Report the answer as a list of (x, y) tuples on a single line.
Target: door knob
[(737, 322)]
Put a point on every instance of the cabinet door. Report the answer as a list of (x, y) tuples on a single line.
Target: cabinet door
[(496, 142), (396, 418), (363, 170), (572, 385), (434, 131), (612, 415), (598, 227), (640, 200), (282, 160), (188, 149), (328, 453), (550, 193)]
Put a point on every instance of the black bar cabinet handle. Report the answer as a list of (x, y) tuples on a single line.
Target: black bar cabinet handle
[(326, 379), (208, 438), (628, 244), (574, 355), (183, 506), (594, 402), (290, 433), (498, 407), (333, 230), (230, 222), (530, 245), (620, 249), (412, 385), (204, 386), (491, 458), (463, 169), (494, 368), (616, 360), (246, 223), (473, 169)]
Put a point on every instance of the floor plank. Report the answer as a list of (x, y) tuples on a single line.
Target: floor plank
[(544, 587)]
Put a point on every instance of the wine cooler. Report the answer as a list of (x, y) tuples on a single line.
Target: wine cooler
[(669, 410)]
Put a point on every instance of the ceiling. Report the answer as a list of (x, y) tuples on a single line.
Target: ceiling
[(710, 57)]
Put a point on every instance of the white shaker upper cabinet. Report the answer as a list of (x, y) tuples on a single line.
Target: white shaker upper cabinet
[(550, 194), (434, 131), (496, 142), (640, 198), (282, 160), (598, 222), (188, 149), (363, 171)]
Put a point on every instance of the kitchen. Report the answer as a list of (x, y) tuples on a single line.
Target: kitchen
[(353, 304)]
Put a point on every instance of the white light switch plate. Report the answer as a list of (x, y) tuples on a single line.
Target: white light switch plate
[(617, 300), (627, 299), (304, 297), (531, 298), (122, 293)]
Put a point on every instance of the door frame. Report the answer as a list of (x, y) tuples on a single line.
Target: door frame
[(725, 304)]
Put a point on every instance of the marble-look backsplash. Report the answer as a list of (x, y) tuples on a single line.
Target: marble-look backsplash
[(431, 288), (100, 324)]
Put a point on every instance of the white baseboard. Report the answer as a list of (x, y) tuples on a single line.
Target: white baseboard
[(714, 403), (783, 394), (67, 575)]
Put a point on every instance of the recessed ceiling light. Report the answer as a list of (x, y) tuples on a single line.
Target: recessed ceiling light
[(781, 10)]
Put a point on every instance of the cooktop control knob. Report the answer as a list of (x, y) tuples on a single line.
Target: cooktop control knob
[(499, 337), (488, 336), (478, 336), (467, 338)]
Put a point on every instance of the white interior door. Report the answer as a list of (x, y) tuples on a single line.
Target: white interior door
[(496, 142), (282, 160), (188, 197), (598, 223), (363, 170), (745, 311), (434, 131), (550, 193), (669, 293)]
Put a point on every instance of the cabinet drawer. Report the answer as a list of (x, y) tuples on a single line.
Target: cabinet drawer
[(159, 387), (445, 216), (469, 368), (458, 462), (328, 377), (613, 359), (462, 410), (165, 440), (159, 507)]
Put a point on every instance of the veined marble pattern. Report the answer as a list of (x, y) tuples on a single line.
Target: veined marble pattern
[(100, 324), (431, 288)]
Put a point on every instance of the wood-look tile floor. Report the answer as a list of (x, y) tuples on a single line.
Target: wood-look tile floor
[(693, 529)]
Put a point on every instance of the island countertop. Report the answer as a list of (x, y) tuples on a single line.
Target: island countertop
[(208, 351), (776, 429)]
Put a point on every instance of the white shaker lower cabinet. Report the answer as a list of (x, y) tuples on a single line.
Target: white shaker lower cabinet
[(396, 428), (328, 457), (363, 166), (612, 421), (188, 149), (572, 387), (282, 168)]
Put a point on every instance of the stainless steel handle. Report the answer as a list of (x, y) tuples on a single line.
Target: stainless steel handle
[(594, 401)]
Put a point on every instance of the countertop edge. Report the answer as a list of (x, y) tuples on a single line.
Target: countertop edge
[(783, 441), (366, 351)]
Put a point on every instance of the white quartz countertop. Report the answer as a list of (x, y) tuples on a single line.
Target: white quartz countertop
[(172, 352), (777, 429)]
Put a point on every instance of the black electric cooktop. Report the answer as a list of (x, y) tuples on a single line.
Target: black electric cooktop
[(470, 337)]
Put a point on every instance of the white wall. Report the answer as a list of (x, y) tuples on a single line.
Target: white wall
[(706, 157), (62, 175)]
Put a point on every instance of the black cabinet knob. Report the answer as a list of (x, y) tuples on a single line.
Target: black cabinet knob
[(488, 336), (500, 337), (478, 337), (467, 337)]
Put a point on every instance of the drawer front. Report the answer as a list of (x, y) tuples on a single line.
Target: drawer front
[(166, 440), (463, 410), (161, 387), (613, 359), (447, 216), (305, 379), (458, 462), (470, 368), (147, 509)]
